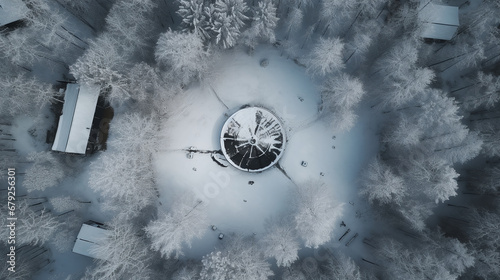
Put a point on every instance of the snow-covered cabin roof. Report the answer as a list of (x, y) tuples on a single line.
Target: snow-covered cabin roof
[(89, 237), (438, 21), (11, 11), (75, 123)]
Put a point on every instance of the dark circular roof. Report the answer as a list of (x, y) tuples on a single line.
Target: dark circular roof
[(253, 139)]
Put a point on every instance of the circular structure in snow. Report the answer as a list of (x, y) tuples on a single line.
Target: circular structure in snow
[(253, 139)]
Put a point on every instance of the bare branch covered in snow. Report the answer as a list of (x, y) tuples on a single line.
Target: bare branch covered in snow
[(122, 254), (280, 241), (240, 259), (32, 227), (46, 171), (184, 53), (186, 220), (24, 95), (120, 176), (315, 213)]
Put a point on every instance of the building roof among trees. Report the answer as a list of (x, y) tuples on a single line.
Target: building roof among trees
[(438, 21), (253, 139), (75, 122), (11, 11), (88, 238)]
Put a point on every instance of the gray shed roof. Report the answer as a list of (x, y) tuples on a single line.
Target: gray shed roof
[(89, 238), (75, 123), (438, 21), (11, 11)]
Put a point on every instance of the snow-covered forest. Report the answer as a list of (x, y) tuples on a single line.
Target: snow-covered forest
[(390, 168)]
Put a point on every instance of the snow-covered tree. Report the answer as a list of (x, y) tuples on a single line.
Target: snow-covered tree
[(339, 95), (102, 64), (326, 57), (46, 171), (122, 254), (404, 86), (264, 21), (462, 151), (227, 18), (315, 213), (484, 228), (343, 267), (134, 133), (488, 180), (144, 82), (399, 58), (341, 119), (24, 95), (334, 13), (294, 21), (239, 259), (488, 262), (433, 176), (381, 184), (465, 54), (130, 22), (20, 48), (412, 264), (400, 80), (62, 204), (454, 254), (434, 127), (194, 18), (32, 227), (280, 241), (184, 53), (29, 261), (404, 132), (120, 176), (171, 231), (342, 91), (188, 272), (356, 48), (481, 91)]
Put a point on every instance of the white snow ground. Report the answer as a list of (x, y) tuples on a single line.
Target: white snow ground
[(280, 86)]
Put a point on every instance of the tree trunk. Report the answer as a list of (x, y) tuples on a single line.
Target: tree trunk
[(352, 23), (468, 86), (326, 29), (347, 60)]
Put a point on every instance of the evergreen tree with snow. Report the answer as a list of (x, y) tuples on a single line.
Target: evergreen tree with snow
[(380, 184), (340, 94), (194, 18), (264, 22), (226, 20)]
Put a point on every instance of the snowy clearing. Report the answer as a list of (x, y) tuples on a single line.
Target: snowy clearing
[(334, 158)]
